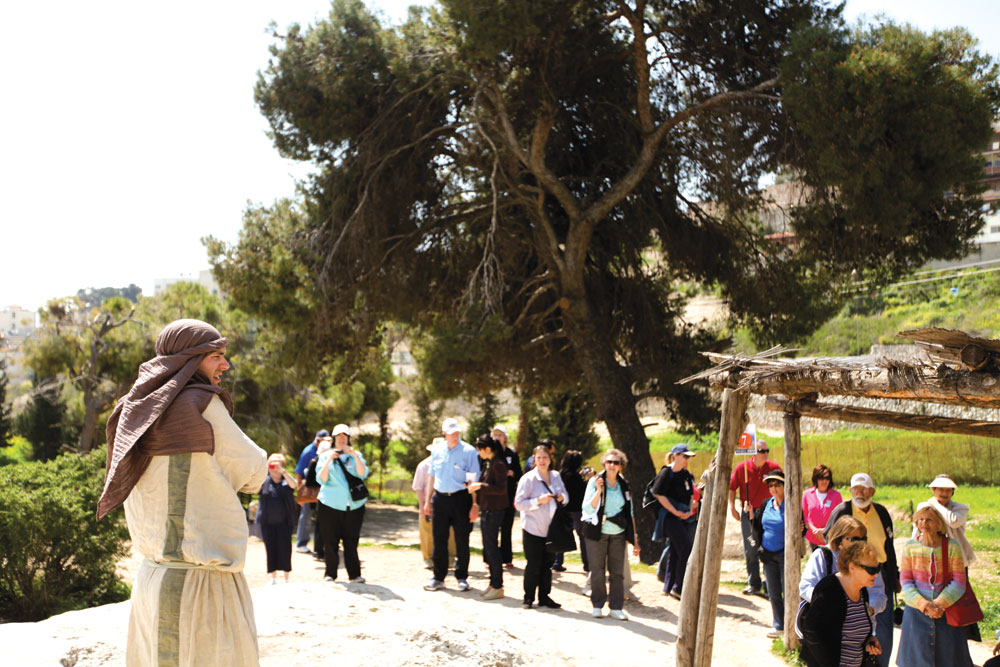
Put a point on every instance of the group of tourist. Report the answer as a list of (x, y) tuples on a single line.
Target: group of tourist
[(177, 460), (853, 572)]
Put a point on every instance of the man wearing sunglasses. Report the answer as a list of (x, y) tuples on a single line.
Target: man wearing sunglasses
[(878, 524), (748, 480)]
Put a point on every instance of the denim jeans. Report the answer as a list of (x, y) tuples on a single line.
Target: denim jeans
[(883, 631), (774, 572), (750, 554), (305, 525)]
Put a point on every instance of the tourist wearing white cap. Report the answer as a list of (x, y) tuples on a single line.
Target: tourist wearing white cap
[(953, 514), (340, 515), (514, 473), (454, 463), (878, 524)]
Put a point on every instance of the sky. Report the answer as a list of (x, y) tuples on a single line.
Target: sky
[(128, 131)]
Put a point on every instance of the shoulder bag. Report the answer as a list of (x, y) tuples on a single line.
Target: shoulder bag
[(560, 536), (355, 484), (967, 610)]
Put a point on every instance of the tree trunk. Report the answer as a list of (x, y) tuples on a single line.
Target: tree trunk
[(86, 439), (611, 386)]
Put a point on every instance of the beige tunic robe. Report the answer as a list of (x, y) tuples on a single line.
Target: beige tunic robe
[(190, 602)]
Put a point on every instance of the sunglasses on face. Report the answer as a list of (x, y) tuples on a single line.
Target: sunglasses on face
[(614, 462), (871, 570), (763, 451), (771, 485)]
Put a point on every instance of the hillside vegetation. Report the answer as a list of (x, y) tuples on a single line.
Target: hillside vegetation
[(955, 301)]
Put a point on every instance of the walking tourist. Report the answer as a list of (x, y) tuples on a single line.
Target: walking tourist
[(276, 517), (836, 625), (306, 514), (768, 534), (818, 502), (674, 489), (747, 481), (878, 523), (608, 524), (537, 494), (339, 514), (513, 477), (454, 463), (931, 583), (491, 495)]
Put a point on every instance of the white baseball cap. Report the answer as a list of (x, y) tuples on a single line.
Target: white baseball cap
[(342, 428), (862, 479), (450, 426), (501, 428), (943, 482)]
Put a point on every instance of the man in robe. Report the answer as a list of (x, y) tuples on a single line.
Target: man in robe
[(176, 460)]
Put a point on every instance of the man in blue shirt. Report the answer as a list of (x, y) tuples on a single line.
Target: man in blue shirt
[(454, 463), (306, 514)]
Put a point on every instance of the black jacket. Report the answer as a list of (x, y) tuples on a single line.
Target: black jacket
[(822, 623), (513, 463), (890, 570)]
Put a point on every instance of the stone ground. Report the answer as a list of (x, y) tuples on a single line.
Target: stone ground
[(391, 619)]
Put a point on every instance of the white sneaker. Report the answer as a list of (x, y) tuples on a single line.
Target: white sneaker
[(433, 585), (302, 550), (328, 578), (597, 613), (463, 585), (274, 582), (358, 580), (775, 634), (585, 592), (618, 614)]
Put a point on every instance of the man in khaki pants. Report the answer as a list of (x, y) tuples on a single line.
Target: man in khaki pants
[(422, 488)]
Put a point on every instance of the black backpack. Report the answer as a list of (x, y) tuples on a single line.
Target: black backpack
[(649, 501)]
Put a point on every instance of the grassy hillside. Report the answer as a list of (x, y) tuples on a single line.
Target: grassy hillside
[(962, 301)]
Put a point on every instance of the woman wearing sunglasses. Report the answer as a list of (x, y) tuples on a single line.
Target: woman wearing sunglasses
[(823, 562), (607, 524), (817, 504), (768, 537), (931, 585), (837, 625)]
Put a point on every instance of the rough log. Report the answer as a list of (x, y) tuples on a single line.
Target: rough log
[(974, 356), (793, 523), (733, 406), (687, 621), (886, 418), (909, 383)]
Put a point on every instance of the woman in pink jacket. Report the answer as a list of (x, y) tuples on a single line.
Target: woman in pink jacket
[(817, 503)]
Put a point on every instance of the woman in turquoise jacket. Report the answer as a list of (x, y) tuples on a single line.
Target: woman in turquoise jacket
[(340, 516)]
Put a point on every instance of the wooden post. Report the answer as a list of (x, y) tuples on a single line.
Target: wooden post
[(733, 405), (793, 522), (687, 621)]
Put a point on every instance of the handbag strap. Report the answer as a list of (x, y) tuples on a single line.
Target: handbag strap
[(554, 497), (347, 475), (944, 557)]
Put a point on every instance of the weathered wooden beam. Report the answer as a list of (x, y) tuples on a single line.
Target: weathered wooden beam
[(909, 383), (856, 415), (687, 620), (793, 523), (733, 406)]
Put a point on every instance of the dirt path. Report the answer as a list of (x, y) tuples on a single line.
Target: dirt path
[(391, 619)]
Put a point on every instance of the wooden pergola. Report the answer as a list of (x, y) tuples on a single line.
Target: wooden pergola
[(958, 369)]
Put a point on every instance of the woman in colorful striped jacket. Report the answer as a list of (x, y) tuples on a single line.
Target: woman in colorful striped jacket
[(929, 587)]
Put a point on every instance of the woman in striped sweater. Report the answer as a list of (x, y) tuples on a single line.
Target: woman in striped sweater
[(929, 587)]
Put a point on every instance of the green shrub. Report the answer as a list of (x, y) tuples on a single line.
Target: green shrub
[(20, 451), (54, 554)]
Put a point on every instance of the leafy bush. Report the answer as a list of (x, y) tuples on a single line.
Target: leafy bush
[(54, 554), (20, 451)]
